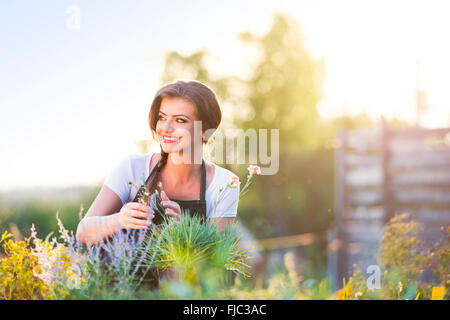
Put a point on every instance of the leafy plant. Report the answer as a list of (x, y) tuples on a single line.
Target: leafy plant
[(403, 257), (440, 259), (18, 272), (190, 246)]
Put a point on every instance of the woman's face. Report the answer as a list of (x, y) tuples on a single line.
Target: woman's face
[(175, 125)]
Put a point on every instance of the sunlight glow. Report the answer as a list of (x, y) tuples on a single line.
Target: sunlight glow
[(75, 101)]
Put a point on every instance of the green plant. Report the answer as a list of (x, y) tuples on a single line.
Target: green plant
[(190, 246), (440, 259), (403, 257), (18, 272)]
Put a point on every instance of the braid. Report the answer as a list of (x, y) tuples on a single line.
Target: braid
[(163, 160), (152, 183)]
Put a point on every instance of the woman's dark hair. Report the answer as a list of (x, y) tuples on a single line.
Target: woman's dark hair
[(204, 100)]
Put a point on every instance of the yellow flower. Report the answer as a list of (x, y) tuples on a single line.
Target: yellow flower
[(437, 293), (340, 294), (18, 273), (346, 291)]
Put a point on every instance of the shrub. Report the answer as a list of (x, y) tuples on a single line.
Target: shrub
[(190, 247), (18, 272), (402, 258)]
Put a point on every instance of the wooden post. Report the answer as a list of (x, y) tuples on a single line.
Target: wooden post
[(340, 207), (386, 160)]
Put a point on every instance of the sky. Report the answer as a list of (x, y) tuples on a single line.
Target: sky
[(77, 77)]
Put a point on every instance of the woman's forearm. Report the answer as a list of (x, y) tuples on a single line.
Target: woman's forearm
[(93, 229)]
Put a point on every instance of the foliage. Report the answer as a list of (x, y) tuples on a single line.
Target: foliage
[(193, 67), (439, 255), (50, 270), (403, 257), (285, 86), (402, 248), (191, 247), (18, 269), (283, 284), (115, 268)]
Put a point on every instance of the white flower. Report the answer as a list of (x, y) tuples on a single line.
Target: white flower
[(234, 182), (254, 169)]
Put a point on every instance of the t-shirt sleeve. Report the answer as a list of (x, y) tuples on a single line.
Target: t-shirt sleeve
[(226, 202), (118, 179)]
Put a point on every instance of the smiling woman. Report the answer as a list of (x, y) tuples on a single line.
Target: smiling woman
[(188, 184)]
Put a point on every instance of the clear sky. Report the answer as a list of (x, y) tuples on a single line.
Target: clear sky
[(73, 101)]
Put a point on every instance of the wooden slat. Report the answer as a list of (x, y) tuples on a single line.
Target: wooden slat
[(364, 198), (417, 147), (370, 176), (362, 160), (424, 213), (364, 225), (334, 247), (364, 213), (432, 215), (422, 197), (363, 235), (410, 159), (422, 177)]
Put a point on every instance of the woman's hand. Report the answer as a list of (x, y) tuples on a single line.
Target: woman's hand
[(173, 209), (134, 215)]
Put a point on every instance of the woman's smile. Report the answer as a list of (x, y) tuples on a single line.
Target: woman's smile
[(170, 139)]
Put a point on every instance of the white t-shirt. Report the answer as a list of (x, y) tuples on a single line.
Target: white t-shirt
[(135, 168)]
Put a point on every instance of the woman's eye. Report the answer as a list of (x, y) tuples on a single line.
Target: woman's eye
[(179, 120)]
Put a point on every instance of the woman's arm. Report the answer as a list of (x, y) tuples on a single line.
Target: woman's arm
[(107, 215), (101, 219)]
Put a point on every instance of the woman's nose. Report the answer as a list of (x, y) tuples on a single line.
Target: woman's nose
[(168, 126)]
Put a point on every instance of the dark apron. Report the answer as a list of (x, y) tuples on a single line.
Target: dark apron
[(195, 207)]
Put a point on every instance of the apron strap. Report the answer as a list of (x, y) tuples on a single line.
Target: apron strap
[(203, 182), (153, 171), (203, 179)]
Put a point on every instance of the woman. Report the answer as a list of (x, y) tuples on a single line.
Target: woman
[(187, 184)]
